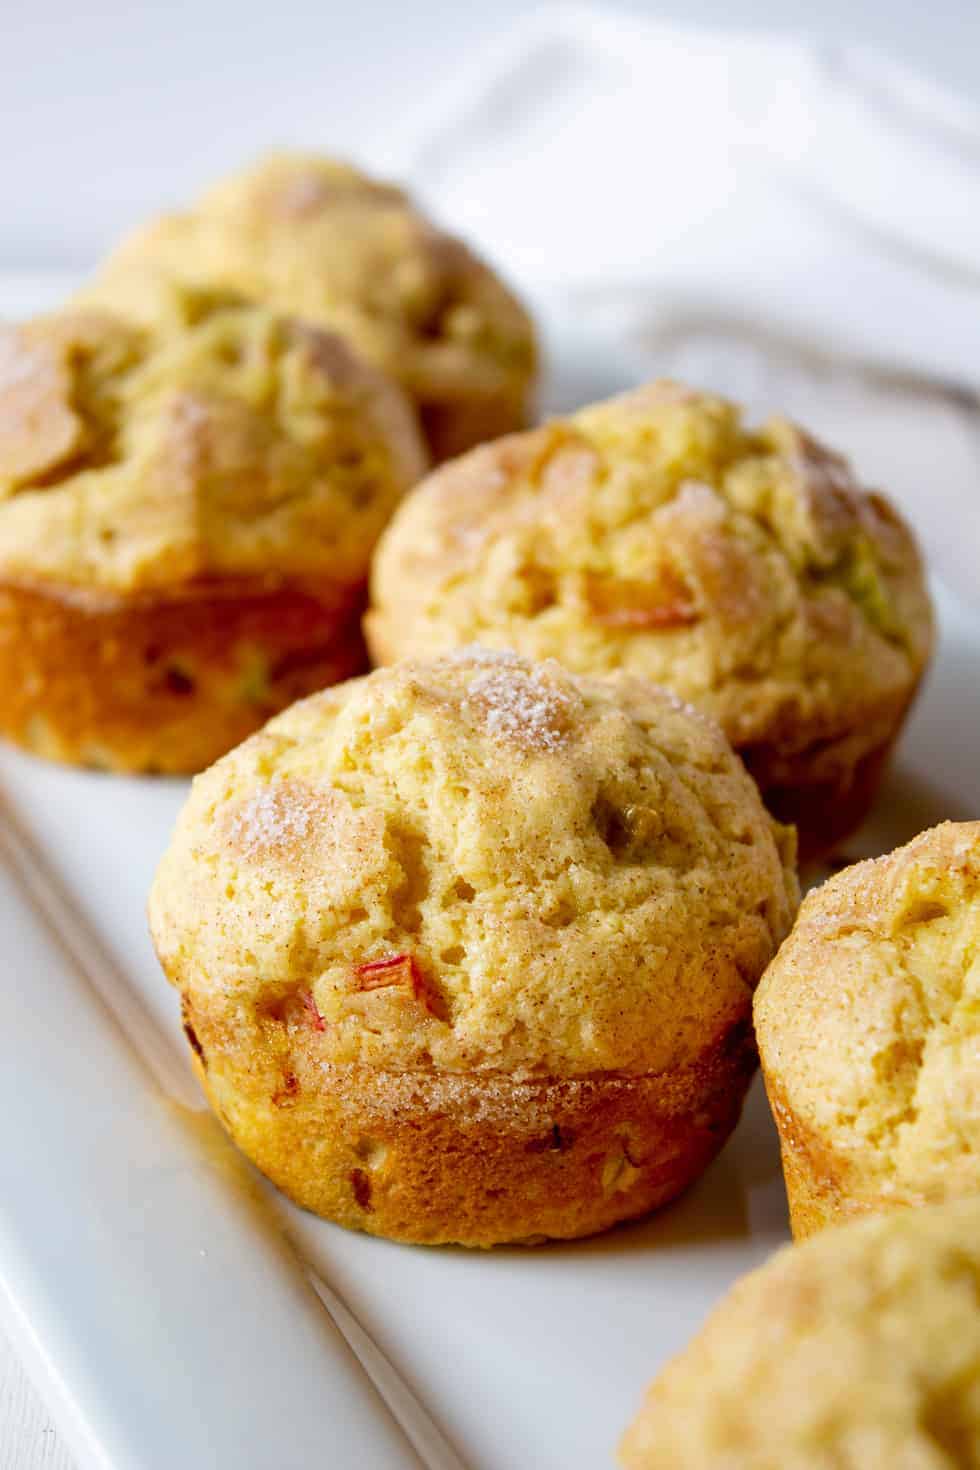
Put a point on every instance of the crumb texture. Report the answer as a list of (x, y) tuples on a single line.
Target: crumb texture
[(236, 443), (869, 1019), (477, 864), (656, 533), (859, 1350)]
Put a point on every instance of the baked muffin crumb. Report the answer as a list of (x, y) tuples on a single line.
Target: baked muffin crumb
[(464, 904), (186, 520), (859, 1350), (868, 1027)]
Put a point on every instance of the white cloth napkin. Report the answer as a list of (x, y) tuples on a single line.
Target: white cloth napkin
[(795, 225)]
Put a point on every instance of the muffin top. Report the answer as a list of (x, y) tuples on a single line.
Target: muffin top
[(869, 1018), (858, 1350), (744, 569), (315, 238), (240, 444), (480, 863)]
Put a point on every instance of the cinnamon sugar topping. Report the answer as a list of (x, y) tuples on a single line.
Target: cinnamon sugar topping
[(515, 703), (274, 816)]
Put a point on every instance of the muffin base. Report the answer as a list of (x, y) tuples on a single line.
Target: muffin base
[(823, 791), (451, 427), (820, 1185), (475, 1159), (165, 683)]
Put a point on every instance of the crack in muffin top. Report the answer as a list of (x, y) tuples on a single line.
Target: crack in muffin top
[(241, 444), (480, 863)]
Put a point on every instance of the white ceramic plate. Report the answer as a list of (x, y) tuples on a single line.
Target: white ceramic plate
[(176, 1311)]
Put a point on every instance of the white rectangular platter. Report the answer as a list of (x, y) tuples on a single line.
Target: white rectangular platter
[(177, 1312)]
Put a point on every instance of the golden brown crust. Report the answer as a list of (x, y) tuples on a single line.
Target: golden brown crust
[(818, 1180), (468, 947), (580, 871), (164, 683), (867, 1026), (476, 1159), (186, 522), (235, 444)]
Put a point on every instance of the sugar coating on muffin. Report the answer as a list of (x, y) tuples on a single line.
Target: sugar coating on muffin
[(745, 569), (322, 241), (243, 445), (859, 1350), (869, 1027), (579, 872)]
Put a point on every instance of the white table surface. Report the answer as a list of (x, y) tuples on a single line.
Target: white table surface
[(28, 1438), (197, 101)]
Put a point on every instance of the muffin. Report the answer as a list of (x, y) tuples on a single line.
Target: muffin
[(186, 522), (857, 1351), (321, 241), (466, 948), (746, 570), (868, 1024)]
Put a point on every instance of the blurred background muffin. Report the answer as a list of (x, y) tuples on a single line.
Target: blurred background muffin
[(868, 1023), (857, 1351), (745, 569), (466, 949), (317, 239), (186, 521)]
